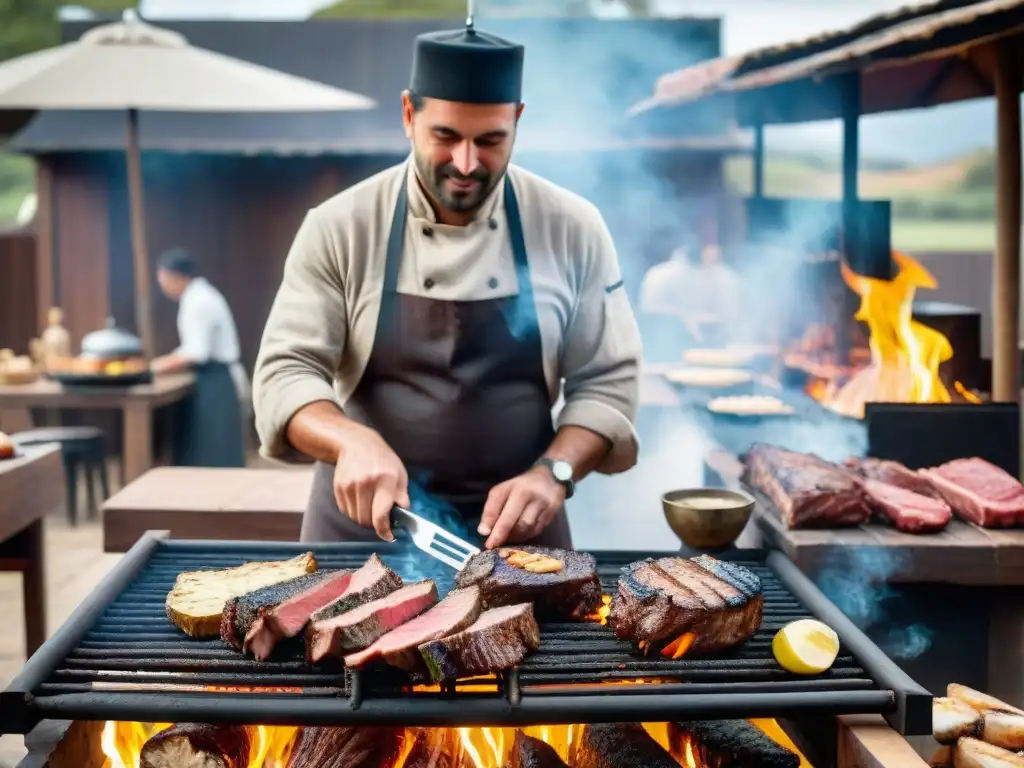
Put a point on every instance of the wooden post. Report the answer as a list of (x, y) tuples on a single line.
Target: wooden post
[(1006, 269), (140, 251), (46, 262)]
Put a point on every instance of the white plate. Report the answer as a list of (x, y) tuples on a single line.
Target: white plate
[(709, 377), (750, 405), (720, 358)]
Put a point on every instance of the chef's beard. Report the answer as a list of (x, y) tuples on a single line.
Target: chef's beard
[(433, 178)]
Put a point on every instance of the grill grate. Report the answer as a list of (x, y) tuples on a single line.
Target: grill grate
[(119, 658)]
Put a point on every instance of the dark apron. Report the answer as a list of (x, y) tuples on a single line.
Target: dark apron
[(209, 429), (457, 389)]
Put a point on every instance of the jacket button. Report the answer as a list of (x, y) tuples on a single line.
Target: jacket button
[(492, 223), (492, 283), (428, 231), (428, 283)]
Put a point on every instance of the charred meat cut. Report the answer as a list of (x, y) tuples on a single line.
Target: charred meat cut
[(371, 582), (807, 491), (905, 510), (358, 628), (573, 591), (619, 745), (197, 745), (528, 752), (499, 639), (717, 604), (400, 647), (363, 747), (980, 492), (240, 612), (735, 743), (893, 473), (289, 618), (434, 749)]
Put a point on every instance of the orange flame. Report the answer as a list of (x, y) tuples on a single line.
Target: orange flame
[(905, 355)]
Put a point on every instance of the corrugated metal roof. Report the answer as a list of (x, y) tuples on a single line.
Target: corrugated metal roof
[(581, 75), (928, 43)]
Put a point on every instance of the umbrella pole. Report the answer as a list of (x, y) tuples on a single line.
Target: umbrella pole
[(140, 253)]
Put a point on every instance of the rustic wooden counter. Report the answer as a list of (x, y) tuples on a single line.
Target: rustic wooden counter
[(31, 486), (136, 403), (197, 503)]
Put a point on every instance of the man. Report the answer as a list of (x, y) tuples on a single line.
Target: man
[(210, 432), (703, 297), (448, 298)]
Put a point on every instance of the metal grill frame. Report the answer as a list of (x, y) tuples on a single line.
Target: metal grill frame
[(904, 704)]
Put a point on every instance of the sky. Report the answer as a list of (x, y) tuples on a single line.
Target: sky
[(921, 136)]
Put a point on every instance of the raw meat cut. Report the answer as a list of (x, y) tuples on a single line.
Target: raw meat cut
[(400, 647), (196, 603), (288, 619), (572, 592), (714, 603), (735, 743), (240, 612), (528, 752), (197, 745), (372, 581), (905, 510), (893, 473), (358, 628), (980, 492), (499, 639), (807, 491), (343, 747), (619, 745)]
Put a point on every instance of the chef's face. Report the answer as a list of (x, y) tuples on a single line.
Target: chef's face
[(173, 285), (461, 150)]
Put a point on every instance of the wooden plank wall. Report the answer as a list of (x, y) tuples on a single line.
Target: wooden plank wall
[(18, 311)]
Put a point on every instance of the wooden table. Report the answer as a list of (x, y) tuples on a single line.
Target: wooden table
[(136, 403), (31, 486), (197, 503)]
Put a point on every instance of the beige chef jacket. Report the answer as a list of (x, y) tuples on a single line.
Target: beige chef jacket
[(321, 328)]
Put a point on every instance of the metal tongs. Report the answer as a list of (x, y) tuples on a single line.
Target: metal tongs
[(433, 539)]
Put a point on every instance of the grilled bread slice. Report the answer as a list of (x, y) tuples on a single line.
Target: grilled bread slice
[(953, 719), (197, 600), (978, 700), (974, 753)]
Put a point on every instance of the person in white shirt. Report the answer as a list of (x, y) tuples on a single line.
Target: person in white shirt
[(703, 297), (212, 429)]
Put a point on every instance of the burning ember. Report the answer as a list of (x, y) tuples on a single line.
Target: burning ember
[(905, 355), (469, 747)]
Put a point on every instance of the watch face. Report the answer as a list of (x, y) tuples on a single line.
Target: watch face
[(562, 471)]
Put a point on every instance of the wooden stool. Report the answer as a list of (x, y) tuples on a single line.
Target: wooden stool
[(79, 447)]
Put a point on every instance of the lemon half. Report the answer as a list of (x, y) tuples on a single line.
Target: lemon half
[(806, 647)]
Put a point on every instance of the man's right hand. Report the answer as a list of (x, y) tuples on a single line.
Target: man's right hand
[(369, 480)]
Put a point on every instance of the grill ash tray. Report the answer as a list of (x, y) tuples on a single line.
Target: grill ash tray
[(120, 658)]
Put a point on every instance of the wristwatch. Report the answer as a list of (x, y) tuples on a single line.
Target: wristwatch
[(561, 471)]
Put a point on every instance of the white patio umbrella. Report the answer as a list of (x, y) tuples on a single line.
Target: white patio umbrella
[(133, 66)]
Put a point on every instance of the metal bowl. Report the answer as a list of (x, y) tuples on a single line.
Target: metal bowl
[(707, 518)]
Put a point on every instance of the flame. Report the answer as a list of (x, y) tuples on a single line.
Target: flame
[(477, 747), (600, 616), (905, 355)]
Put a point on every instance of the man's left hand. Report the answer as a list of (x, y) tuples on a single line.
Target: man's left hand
[(520, 508)]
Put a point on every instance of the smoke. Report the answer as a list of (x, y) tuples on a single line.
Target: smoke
[(857, 582)]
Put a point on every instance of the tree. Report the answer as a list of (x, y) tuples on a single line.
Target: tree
[(28, 25), (373, 9)]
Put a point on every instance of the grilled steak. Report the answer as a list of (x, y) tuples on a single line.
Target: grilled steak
[(372, 581), (980, 492), (528, 752), (433, 748), (400, 647), (574, 591), (196, 603), (893, 473), (288, 619), (619, 745), (735, 743), (358, 628), (657, 601), (197, 745), (905, 510), (240, 612), (342, 747), (499, 639), (807, 491)]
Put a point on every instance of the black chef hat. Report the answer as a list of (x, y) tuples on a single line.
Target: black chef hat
[(179, 261), (468, 66)]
